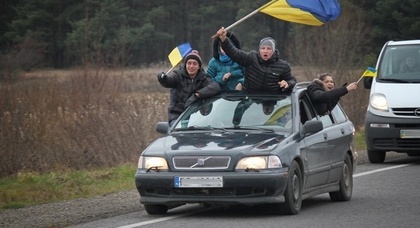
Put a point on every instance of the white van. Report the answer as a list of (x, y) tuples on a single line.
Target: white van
[(393, 115)]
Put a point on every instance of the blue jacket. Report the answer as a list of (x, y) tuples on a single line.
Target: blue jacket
[(216, 69)]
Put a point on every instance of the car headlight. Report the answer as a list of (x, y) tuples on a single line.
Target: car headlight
[(259, 162), (157, 163), (378, 101)]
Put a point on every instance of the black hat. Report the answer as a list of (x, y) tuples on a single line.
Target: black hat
[(194, 55)]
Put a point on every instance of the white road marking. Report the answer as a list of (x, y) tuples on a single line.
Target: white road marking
[(164, 218), (380, 170)]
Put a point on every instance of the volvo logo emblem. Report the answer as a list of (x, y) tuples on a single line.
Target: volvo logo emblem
[(201, 161), (417, 112)]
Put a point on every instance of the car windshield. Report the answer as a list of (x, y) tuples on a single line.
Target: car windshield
[(241, 112), (400, 64)]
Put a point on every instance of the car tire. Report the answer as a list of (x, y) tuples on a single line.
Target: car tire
[(376, 156), (293, 191), (346, 182), (155, 209)]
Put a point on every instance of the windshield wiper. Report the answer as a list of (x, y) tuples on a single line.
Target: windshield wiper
[(251, 128), (252, 170), (206, 128), (157, 168), (199, 128)]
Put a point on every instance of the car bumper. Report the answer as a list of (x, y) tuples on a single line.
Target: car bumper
[(238, 188), (389, 139)]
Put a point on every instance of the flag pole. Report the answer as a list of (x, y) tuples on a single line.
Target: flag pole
[(246, 17), (239, 21), (171, 69), (359, 79)]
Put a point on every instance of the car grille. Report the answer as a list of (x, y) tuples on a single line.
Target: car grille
[(201, 162), (397, 143), (407, 111), (408, 126)]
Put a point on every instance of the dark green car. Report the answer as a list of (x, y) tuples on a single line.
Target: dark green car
[(249, 149)]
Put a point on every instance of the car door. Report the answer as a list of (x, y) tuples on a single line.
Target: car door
[(316, 151), (340, 139)]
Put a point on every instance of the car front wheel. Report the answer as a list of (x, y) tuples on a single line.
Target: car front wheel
[(346, 182), (293, 192), (155, 209)]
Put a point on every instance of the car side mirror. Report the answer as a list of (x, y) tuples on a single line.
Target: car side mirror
[(367, 82), (162, 127), (311, 127)]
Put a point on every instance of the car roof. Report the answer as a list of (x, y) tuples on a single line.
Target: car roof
[(402, 42), (301, 85)]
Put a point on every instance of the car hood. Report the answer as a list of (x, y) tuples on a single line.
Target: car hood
[(227, 142), (402, 94)]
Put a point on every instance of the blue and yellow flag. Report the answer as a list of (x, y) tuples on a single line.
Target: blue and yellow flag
[(369, 72), (308, 12), (176, 55)]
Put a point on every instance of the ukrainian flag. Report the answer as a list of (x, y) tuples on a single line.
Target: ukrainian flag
[(308, 12), (370, 72), (176, 55)]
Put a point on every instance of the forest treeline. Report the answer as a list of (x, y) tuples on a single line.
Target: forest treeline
[(69, 33)]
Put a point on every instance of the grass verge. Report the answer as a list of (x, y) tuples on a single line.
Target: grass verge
[(28, 189), (359, 140)]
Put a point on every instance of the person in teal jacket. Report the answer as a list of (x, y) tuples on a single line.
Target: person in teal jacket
[(229, 74)]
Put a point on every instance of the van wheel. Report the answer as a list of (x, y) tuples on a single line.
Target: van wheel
[(346, 182), (376, 156), (156, 209)]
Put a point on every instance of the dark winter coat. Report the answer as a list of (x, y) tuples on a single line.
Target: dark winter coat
[(183, 89), (324, 101), (261, 75)]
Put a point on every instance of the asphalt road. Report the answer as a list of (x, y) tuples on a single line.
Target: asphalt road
[(384, 195)]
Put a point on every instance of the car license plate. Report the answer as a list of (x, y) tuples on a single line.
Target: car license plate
[(405, 134), (198, 182)]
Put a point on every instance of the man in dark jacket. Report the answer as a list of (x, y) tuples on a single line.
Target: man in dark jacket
[(264, 70), (188, 83)]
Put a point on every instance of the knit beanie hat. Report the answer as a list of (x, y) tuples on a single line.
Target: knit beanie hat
[(194, 55), (268, 41)]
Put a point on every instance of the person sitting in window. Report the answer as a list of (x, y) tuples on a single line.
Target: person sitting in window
[(323, 94), (409, 65)]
